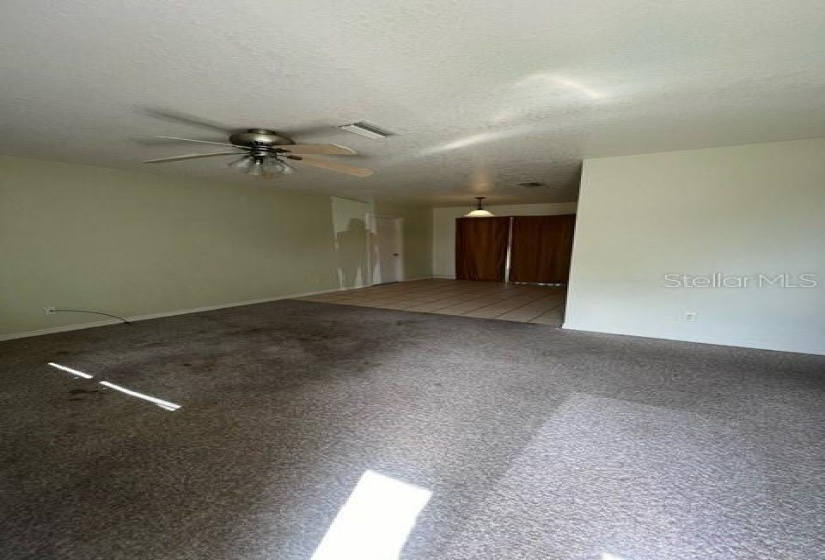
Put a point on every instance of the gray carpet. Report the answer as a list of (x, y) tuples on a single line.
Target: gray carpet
[(607, 476), (536, 443)]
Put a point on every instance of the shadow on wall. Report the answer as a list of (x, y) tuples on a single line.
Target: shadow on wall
[(351, 249), (354, 242)]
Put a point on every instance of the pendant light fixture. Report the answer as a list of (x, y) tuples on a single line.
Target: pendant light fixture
[(480, 212)]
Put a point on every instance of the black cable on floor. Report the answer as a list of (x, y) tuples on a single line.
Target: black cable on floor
[(93, 312)]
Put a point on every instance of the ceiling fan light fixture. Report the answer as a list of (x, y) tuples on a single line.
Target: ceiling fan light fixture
[(284, 168), (257, 168), (241, 164), (270, 167), (479, 211), (262, 166)]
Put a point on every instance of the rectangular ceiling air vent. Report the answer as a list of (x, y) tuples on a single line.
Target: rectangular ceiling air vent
[(532, 184), (366, 129)]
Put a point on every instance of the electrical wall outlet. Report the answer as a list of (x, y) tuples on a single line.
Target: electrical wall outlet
[(49, 310), (690, 317)]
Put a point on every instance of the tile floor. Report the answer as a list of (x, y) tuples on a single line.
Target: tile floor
[(487, 300)]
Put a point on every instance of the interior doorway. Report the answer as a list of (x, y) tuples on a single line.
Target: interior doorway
[(388, 250)]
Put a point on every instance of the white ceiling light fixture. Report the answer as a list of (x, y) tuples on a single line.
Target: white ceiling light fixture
[(365, 129), (479, 211)]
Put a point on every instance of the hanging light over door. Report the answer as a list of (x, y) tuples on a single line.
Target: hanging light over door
[(479, 211)]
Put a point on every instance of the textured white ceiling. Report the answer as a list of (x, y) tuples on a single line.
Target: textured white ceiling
[(483, 94)]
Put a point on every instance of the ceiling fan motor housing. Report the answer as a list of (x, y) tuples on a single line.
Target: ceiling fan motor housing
[(260, 141), (259, 137)]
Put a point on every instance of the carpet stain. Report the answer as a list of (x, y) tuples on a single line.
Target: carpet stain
[(85, 392), (204, 367), (77, 395)]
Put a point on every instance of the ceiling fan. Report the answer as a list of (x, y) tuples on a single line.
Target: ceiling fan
[(264, 153)]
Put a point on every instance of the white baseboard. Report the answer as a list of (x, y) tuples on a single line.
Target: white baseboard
[(731, 343), (133, 318), (64, 328), (388, 283)]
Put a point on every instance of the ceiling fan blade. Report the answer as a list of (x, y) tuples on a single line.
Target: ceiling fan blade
[(192, 156), (154, 141), (314, 130), (325, 149), (175, 116), (201, 141), (335, 166)]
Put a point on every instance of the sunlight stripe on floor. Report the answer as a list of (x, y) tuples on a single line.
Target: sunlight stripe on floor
[(70, 370), (166, 405)]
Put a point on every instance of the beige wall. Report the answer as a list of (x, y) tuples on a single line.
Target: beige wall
[(417, 236), (444, 228), (132, 243), (739, 211)]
